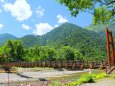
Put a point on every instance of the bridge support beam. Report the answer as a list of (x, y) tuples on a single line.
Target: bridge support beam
[(108, 46), (112, 44)]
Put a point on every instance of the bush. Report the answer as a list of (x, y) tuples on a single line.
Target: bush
[(85, 79)]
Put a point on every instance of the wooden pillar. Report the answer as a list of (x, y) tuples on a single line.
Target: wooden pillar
[(112, 44), (108, 46)]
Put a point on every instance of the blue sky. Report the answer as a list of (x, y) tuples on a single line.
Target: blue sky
[(23, 17)]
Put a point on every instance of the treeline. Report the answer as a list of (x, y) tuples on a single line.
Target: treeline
[(17, 52)]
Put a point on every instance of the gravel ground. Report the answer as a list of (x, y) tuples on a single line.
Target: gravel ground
[(32, 76), (28, 78)]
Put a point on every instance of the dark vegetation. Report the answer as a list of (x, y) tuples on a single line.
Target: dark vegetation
[(66, 42)]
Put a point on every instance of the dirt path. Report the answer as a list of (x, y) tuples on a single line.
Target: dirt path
[(102, 82)]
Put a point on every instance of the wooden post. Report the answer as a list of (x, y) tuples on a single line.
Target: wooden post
[(112, 44), (108, 46)]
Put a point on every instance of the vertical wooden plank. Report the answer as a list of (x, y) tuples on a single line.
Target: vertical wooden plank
[(108, 47), (112, 43)]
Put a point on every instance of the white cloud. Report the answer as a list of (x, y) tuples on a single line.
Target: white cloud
[(40, 11), (0, 10), (2, 1), (61, 19), (20, 9), (42, 28), (56, 26), (26, 27), (1, 26)]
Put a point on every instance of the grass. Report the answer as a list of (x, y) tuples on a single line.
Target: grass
[(80, 78), (74, 77), (87, 78)]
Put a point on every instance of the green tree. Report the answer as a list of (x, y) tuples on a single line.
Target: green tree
[(32, 53), (48, 53), (78, 55), (14, 49), (67, 53), (102, 10)]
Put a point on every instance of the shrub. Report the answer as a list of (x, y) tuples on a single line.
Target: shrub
[(85, 79)]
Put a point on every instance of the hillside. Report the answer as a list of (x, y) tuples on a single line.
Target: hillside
[(72, 35), (5, 37), (88, 42), (101, 28)]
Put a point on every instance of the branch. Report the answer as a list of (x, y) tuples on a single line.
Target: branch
[(113, 1)]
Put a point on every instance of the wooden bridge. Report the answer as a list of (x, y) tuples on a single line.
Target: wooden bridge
[(60, 64)]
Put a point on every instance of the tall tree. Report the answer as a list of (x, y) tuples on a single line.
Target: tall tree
[(14, 49), (103, 10)]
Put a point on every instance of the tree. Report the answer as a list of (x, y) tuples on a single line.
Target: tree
[(14, 49), (67, 53), (47, 53), (103, 10)]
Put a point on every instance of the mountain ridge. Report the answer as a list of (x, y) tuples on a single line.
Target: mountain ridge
[(4, 37)]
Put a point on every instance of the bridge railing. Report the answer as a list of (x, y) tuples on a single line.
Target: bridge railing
[(60, 64)]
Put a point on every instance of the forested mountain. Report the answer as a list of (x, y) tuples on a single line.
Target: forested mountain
[(30, 40), (89, 43), (5, 37), (101, 28)]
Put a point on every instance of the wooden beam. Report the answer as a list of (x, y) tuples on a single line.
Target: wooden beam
[(108, 46), (112, 44)]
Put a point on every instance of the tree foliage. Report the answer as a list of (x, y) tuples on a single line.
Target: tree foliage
[(69, 53), (14, 49), (102, 10)]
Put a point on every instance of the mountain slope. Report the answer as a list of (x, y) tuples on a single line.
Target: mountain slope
[(101, 28), (5, 37), (72, 35), (89, 43)]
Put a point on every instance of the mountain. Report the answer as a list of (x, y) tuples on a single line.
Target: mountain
[(29, 40), (89, 43), (66, 33), (5, 37), (72, 35), (101, 28)]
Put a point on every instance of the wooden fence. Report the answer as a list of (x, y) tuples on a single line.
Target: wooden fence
[(60, 64)]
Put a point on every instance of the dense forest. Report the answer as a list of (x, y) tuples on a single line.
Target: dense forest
[(66, 42)]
